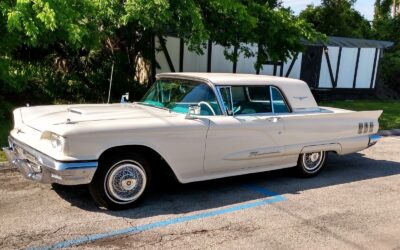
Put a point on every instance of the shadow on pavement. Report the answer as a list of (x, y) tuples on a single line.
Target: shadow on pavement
[(178, 199)]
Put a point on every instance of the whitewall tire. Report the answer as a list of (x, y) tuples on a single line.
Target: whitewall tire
[(121, 181), (311, 164)]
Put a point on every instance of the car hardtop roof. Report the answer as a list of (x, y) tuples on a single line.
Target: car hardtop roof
[(297, 92), (233, 78)]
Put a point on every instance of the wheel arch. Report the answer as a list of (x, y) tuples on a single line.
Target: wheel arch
[(158, 162), (331, 147)]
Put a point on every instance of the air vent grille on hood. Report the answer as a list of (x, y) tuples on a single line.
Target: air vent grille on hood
[(75, 111)]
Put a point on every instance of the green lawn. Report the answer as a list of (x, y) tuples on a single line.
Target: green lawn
[(5, 128), (390, 118)]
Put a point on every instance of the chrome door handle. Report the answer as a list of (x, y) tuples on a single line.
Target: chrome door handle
[(274, 119)]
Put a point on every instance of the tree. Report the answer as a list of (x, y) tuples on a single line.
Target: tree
[(237, 23), (387, 27), (65, 48), (38, 35), (382, 9), (337, 18)]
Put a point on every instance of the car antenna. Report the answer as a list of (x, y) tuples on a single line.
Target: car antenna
[(111, 78)]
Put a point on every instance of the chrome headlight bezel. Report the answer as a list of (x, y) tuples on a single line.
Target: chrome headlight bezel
[(57, 142)]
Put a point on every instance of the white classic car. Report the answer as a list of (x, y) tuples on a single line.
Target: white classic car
[(197, 126)]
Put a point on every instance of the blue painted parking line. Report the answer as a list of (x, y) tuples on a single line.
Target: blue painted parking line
[(271, 198)]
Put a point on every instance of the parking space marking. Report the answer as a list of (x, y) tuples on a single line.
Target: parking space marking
[(271, 198)]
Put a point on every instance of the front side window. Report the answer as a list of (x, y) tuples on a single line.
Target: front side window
[(226, 98), (177, 95)]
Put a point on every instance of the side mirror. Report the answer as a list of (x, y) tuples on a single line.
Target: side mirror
[(125, 98), (193, 111)]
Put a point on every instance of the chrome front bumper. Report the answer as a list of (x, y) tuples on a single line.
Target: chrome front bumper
[(37, 166)]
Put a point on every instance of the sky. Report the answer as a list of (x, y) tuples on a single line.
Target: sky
[(365, 7)]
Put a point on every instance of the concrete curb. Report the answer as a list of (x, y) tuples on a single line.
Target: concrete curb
[(392, 132)]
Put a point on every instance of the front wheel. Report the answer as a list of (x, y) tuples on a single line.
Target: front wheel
[(121, 181), (311, 164)]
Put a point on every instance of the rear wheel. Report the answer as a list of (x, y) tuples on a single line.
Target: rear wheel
[(311, 164), (121, 181)]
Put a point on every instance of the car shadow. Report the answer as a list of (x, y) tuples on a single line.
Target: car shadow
[(181, 199)]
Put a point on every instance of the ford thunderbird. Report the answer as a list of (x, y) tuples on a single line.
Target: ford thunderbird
[(195, 126)]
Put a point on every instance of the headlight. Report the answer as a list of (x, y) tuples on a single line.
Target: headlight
[(57, 142)]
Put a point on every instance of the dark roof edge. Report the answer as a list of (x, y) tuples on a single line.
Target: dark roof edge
[(348, 42)]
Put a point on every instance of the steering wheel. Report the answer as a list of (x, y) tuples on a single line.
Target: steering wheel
[(208, 105)]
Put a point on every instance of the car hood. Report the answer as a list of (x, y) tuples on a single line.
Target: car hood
[(41, 117)]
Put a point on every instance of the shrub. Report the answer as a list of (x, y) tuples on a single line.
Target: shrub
[(390, 70)]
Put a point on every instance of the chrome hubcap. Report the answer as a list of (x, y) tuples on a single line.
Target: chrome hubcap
[(129, 184), (125, 182), (312, 161), (314, 157)]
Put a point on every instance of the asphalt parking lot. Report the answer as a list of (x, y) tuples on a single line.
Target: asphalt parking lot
[(353, 204)]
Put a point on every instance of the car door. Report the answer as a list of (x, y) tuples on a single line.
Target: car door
[(250, 136)]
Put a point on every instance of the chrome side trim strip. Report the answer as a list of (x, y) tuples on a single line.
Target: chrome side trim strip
[(75, 165)]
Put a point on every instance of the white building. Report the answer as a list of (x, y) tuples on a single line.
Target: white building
[(341, 66)]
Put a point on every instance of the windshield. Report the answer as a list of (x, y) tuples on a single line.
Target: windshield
[(177, 95)]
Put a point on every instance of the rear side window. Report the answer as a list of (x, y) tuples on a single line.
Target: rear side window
[(258, 99), (278, 101), (251, 100), (258, 93)]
